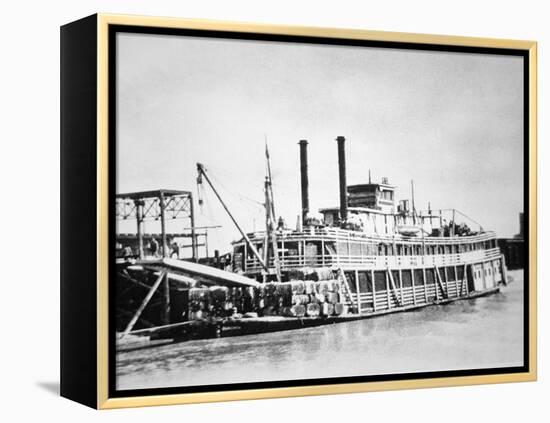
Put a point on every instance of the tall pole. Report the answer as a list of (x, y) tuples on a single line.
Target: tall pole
[(342, 173), (194, 252), (453, 225), (166, 310), (267, 228), (270, 221), (166, 283), (202, 172), (270, 179), (139, 221), (412, 200), (163, 224)]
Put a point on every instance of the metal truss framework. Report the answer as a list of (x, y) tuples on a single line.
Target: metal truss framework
[(176, 206), (160, 205)]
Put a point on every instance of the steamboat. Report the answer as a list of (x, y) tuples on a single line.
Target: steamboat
[(388, 256), (370, 255)]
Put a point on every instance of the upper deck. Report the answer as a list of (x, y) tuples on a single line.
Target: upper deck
[(329, 246), (368, 230)]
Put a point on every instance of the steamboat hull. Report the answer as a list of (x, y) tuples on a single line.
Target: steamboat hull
[(399, 274), (217, 328), (273, 324)]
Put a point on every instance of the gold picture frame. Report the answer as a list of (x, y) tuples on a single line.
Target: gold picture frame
[(102, 399)]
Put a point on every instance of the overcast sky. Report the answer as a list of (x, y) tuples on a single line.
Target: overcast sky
[(453, 122)]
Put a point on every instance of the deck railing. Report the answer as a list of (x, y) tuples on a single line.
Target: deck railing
[(337, 234), (376, 262)]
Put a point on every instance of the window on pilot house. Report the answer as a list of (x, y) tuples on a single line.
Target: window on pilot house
[(386, 195)]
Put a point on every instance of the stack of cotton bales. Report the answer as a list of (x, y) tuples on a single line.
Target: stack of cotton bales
[(299, 298), (310, 292), (220, 302), (199, 303), (268, 299), (309, 274)]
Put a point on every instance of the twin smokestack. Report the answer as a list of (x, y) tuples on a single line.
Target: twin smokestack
[(342, 176), (304, 180)]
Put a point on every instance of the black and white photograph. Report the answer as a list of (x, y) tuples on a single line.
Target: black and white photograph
[(293, 210)]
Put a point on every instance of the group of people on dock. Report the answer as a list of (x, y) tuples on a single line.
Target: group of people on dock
[(153, 249)]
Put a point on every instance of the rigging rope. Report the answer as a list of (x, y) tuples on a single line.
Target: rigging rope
[(250, 212), (468, 217), (234, 194)]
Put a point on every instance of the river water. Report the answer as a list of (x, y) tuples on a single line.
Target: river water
[(486, 332)]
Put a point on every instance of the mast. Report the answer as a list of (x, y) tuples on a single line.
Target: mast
[(202, 172), (412, 201), (270, 178), (270, 219), (267, 219)]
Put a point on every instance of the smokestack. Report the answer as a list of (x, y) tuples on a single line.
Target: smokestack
[(342, 172), (304, 180)]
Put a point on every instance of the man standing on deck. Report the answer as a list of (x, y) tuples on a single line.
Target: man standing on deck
[(153, 247), (175, 250)]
